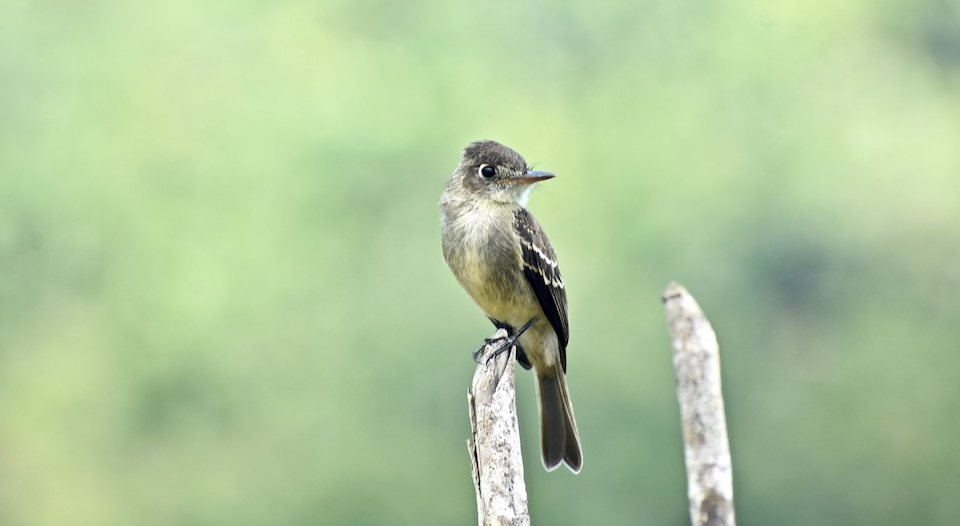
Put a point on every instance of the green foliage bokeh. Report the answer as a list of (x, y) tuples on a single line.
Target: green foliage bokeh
[(222, 299)]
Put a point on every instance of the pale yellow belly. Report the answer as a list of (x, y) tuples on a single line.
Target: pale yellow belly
[(486, 262), (503, 295), (507, 297)]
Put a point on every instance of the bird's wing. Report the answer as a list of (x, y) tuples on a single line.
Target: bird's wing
[(542, 273)]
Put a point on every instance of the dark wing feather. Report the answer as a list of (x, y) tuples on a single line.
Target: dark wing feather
[(542, 273)]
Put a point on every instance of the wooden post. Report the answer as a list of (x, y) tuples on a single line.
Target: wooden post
[(696, 360), (495, 447)]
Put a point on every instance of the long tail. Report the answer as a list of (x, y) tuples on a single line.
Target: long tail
[(559, 439)]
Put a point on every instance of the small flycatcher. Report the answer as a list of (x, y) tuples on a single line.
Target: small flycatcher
[(500, 255)]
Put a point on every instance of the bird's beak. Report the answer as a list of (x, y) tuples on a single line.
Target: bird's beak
[(532, 177)]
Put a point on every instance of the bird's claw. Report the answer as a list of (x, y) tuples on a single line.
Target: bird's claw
[(506, 342)]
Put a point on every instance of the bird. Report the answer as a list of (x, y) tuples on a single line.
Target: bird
[(501, 256)]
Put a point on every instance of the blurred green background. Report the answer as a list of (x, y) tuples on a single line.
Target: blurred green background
[(222, 299)]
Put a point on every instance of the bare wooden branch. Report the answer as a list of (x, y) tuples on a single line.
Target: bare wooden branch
[(696, 359), (495, 446)]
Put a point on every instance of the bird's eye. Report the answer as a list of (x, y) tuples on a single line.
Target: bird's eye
[(486, 171)]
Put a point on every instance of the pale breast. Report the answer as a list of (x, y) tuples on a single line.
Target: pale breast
[(482, 249)]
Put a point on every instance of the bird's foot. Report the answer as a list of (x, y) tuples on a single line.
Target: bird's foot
[(504, 343)]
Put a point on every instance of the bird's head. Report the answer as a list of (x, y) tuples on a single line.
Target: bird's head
[(489, 170)]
